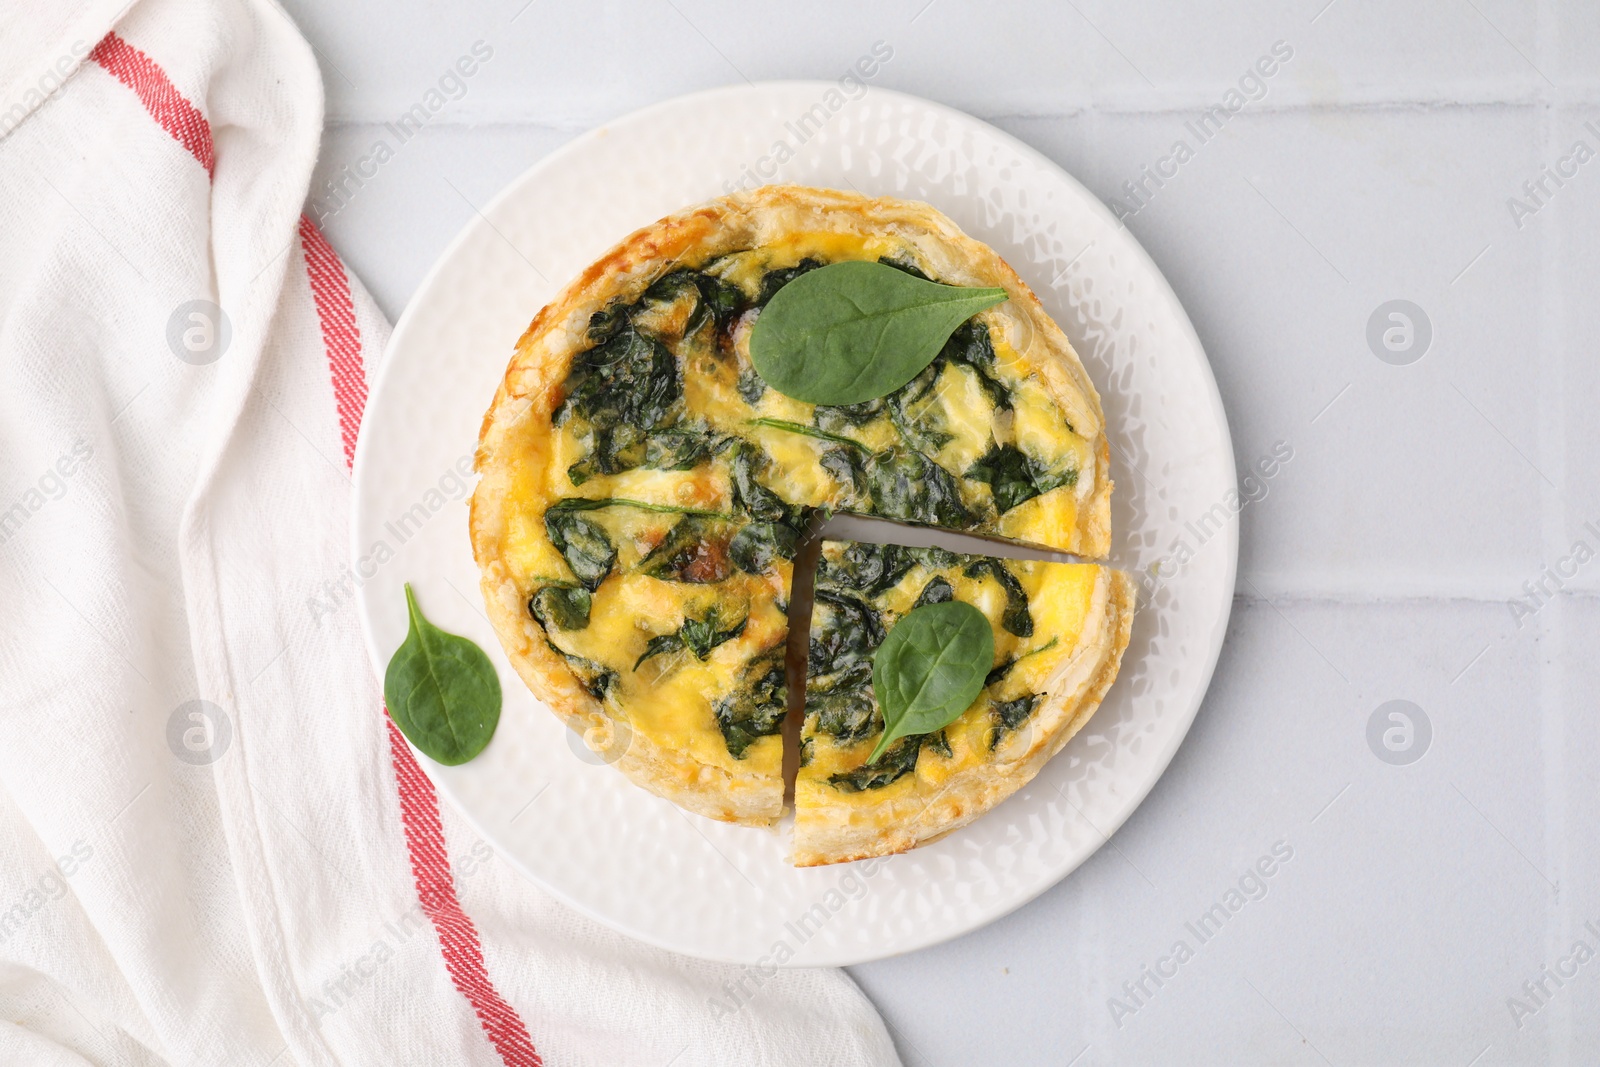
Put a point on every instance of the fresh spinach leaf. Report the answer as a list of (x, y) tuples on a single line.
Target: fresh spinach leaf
[(442, 691), (699, 636), (930, 668), (1016, 618), (1015, 477), (857, 330), (561, 607), (755, 548), (898, 762), (905, 484)]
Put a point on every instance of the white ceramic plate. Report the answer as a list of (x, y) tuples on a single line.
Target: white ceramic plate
[(630, 859)]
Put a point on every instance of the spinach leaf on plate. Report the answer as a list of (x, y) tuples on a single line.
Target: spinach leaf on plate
[(441, 691)]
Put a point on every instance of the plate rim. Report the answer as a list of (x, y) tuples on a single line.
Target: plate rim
[(1135, 797)]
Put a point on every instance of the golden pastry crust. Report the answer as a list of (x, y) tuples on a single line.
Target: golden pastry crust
[(836, 827), (515, 435)]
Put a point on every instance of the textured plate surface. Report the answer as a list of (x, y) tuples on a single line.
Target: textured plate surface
[(630, 859)]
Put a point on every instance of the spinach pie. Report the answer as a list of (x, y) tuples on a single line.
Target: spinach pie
[(644, 490)]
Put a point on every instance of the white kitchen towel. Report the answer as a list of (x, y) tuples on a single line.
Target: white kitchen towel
[(213, 846)]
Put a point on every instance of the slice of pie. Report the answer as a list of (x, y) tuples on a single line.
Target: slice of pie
[(643, 490), (1059, 633)]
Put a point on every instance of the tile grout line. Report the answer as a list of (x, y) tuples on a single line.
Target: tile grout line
[(1551, 446)]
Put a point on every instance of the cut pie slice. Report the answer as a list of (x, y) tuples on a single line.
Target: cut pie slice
[(635, 464), (1059, 633)]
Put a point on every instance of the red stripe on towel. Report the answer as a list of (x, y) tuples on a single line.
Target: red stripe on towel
[(458, 937), (341, 337), (159, 96), (419, 804)]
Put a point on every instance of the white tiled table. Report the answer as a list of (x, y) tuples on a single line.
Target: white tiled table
[(1381, 563)]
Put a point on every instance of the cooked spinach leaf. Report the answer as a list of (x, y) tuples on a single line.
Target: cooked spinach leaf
[(1016, 618), (930, 668), (598, 680), (756, 709), (907, 485), (1005, 668), (681, 448), (971, 345), (940, 744), (810, 431), (716, 301), (755, 548), (750, 386), (1015, 477), (441, 690), (846, 632), (837, 418), (937, 591), (840, 704), (582, 542), (696, 549), (561, 607), (1010, 714), (871, 569), (699, 636), (847, 467), (775, 280), (756, 500), (914, 409), (896, 763), (626, 380), (904, 264)]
